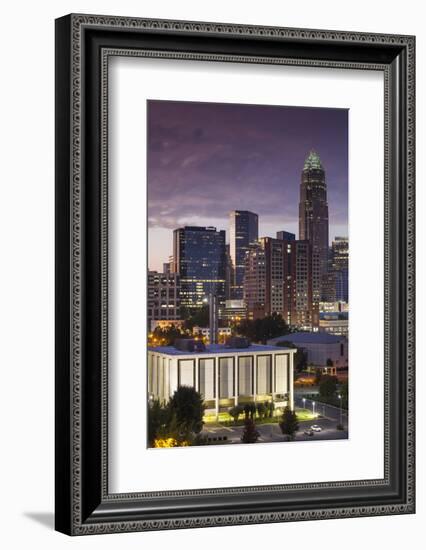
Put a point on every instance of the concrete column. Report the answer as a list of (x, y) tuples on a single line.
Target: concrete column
[(236, 380), (291, 388), (197, 383), (254, 377), (216, 383), (273, 377)]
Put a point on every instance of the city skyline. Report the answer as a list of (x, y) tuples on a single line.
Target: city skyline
[(206, 156)]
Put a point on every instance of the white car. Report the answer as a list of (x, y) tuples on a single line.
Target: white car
[(316, 428)]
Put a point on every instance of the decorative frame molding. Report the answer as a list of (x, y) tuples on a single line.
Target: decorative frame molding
[(84, 43)]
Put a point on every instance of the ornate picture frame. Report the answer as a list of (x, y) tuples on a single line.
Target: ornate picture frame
[(84, 44)]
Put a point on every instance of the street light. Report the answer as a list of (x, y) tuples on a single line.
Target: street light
[(313, 408), (304, 402), (340, 399)]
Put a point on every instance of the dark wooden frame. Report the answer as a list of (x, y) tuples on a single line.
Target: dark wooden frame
[(83, 45)]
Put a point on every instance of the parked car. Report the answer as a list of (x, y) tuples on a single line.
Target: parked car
[(316, 428), (309, 432)]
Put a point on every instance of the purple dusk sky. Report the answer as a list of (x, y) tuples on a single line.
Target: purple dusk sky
[(206, 159)]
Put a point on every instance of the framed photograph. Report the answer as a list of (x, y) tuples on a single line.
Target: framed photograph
[(234, 274)]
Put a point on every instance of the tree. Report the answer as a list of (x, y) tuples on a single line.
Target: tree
[(272, 326), (197, 318), (318, 376), (158, 419), (188, 407), (261, 330), (261, 410), (252, 407), (328, 386), (235, 412), (250, 434), (166, 336), (289, 424), (344, 393)]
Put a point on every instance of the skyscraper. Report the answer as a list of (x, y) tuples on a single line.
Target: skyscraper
[(243, 232), (199, 257), (281, 276), (340, 267), (313, 209), (340, 253), (305, 286)]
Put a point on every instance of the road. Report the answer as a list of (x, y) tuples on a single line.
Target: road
[(328, 420)]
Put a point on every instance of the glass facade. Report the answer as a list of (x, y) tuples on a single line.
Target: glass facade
[(200, 259), (243, 232)]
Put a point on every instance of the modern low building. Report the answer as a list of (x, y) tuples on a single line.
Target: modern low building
[(334, 323), (234, 310), (333, 307), (324, 351), (222, 332), (225, 376)]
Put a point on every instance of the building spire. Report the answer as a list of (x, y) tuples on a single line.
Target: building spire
[(313, 161)]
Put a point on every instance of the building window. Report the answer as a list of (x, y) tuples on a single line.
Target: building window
[(207, 378), (245, 376), (264, 374), (186, 374), (281, 365), (226, 377)]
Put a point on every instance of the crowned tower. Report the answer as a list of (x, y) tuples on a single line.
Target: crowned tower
[(313, 209)]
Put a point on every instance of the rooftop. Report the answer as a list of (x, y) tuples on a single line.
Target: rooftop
[(216, 349), (308, 338), (312, 162)]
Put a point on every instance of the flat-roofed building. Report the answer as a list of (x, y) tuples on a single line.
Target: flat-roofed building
[(324, 351), (199, 257), (163, 297), (224, 376), (234, 310), (334, 323), (223, 332)]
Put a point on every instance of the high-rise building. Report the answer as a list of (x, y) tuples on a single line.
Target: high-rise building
[(340, 253), (313, 209), (243, 232), (163, 297), (328, 287), (340, 267), (199, 257), (282, 277), (342, 285), (266, 270), (254, 283), (305, 286), (229, 273), (286, 236)]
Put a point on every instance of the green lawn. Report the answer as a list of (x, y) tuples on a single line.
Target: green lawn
[(225, 419), (303, 415)]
